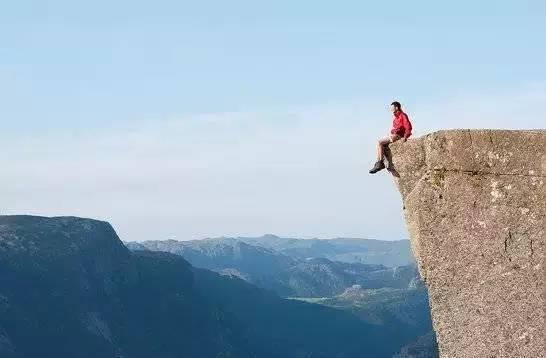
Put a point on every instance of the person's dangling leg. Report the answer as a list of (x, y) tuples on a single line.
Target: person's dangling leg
[(379, 147), (379, 164), (382, 145), (387, 154)]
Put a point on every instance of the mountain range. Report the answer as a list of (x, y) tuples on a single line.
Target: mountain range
[(295, 268), (70, 288), (393, 297), (350, 250)]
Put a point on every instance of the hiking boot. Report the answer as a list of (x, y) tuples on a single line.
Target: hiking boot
[(379, 165)]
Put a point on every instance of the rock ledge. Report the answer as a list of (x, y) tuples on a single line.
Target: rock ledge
[(475, 208)]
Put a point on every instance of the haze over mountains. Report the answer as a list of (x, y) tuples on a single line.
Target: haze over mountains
[(299, 267), (369, 251), (388, 253), (70, 288)]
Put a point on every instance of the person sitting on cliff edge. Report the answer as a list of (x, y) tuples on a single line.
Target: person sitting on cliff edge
[(401, 129)]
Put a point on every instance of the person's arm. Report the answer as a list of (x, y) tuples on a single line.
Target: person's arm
[(397, 126), (407, 126)]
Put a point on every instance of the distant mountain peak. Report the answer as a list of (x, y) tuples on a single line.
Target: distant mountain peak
[(270, 236)]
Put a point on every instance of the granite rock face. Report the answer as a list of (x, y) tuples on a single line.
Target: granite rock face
[(475, 208)]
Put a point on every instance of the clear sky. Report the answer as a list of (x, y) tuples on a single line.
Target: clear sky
[(187, 119)]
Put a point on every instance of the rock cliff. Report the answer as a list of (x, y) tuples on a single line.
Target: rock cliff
[(475, 208)]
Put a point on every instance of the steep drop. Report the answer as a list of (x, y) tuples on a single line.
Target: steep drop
[(475, 208)]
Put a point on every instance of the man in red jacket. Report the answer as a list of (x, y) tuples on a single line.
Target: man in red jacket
[(401, 129)]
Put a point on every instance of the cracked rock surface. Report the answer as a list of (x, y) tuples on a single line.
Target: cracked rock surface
[(475, 208)]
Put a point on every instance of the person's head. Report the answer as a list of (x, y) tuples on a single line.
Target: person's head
[(396, 106)]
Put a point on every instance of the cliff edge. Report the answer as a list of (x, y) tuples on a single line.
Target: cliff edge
[(475, 208)]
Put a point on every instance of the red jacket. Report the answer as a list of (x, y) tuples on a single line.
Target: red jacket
[(401, 124)]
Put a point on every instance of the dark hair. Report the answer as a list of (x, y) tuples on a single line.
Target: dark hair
[(396, 105)]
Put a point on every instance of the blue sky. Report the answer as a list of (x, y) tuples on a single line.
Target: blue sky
[(190, 119)]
